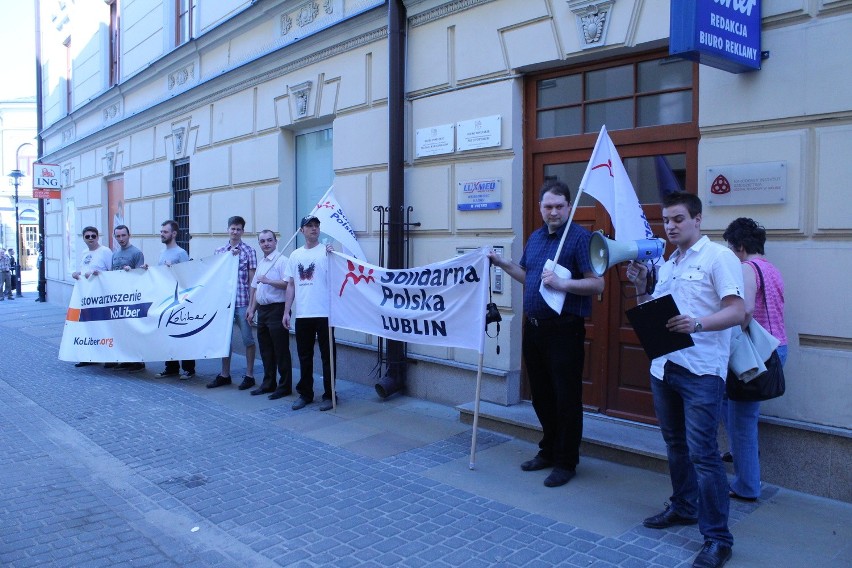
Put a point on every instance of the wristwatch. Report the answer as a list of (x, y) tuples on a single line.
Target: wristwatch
[(698, 327)]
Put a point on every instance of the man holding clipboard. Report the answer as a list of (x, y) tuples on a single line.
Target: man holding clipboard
[(706, 282)]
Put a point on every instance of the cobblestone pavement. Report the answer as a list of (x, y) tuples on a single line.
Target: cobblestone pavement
[(102, 468)]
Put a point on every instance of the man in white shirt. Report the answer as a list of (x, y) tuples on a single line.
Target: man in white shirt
[(96, 259), (267, 300), (706, 281), (307, 297)]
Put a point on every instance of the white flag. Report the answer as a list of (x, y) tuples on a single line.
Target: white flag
[(333, 222), (606, 180)]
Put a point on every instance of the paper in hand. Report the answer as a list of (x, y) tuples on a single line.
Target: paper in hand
[(554, 298)]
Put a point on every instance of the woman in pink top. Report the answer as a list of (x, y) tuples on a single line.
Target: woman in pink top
[(764, 300)]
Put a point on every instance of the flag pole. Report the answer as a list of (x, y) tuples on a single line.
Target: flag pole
[(579, 193), (332, 358), (324, 195), (476, 412)]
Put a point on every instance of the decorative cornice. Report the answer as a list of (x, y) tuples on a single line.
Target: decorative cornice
[(444, 11), (301, 93), (592, 21), (112, 112), (257, 79)]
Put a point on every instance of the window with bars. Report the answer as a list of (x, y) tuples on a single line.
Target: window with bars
[(180, 189), (644, 93)]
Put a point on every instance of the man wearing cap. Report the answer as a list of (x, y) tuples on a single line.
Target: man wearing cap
[(307, 296)]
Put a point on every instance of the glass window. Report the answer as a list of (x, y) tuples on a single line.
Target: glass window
[(560, 122), (609, 83), (664, 74), (617, 115), (314, 171), (667, 108), (560, 91), (646, 93)]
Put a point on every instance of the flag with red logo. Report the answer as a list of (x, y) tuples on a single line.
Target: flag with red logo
[(606, 180), (333, 222), (439, 304)]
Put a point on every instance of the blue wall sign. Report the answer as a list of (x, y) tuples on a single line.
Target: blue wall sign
[(720, 33)]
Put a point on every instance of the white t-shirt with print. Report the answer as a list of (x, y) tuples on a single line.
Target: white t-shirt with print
[(309, 270)]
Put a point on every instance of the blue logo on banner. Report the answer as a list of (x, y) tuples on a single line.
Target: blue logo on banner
[(720, 33)]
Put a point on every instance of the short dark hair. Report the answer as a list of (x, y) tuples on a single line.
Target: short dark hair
[(90, 229), (173, 225), (691, 201), (237, 220), (745, 234), (121, 227), (555, 187), (270, 231)]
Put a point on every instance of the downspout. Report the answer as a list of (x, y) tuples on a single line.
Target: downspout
[(394, 379), (42, 279)]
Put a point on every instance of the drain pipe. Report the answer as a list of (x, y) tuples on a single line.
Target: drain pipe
[(394, 379)]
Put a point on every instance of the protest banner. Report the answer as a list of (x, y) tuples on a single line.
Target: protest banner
[(183, 311)]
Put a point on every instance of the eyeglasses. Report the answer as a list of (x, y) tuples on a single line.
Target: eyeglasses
[(90, 237)]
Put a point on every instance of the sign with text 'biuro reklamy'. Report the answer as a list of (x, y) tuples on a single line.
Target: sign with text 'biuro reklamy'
[(720, 33), (46, 181)]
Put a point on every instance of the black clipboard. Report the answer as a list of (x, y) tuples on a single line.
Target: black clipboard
[(649, 322)]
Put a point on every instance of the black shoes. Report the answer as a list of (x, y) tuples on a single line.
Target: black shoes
[(135, 367), (713, 555), (559, 476), (247, 383), (727, 457), (668, 518), (301, 403), (280, 393), (326, 404), (219, 381), (264, 388), (110, 365), (83, 364), (536, 464), (186, 375)]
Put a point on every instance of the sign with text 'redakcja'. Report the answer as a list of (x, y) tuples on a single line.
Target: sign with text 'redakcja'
[(441, 304), (46, 181), (720, 33), (164, 313)]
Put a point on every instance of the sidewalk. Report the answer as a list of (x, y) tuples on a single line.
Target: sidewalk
[(102, 468)]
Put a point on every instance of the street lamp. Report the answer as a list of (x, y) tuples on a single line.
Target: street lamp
[(15, 179)]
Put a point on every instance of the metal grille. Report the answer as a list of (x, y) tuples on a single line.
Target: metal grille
[(180, 188)]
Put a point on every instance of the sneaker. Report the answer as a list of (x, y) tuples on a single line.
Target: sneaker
[(219, 381), (186, 375), (165, 374)]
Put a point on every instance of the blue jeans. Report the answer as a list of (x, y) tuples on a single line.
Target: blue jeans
[(741, 425), (688, 407)]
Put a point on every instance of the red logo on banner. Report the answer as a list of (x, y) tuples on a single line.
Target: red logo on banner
[(356, 278)]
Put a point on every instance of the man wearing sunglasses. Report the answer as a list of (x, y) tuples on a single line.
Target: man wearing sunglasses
[(97, 258)]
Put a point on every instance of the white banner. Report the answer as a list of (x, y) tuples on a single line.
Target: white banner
[(439, 304), (185, 311), (333, 222), (606, 180)]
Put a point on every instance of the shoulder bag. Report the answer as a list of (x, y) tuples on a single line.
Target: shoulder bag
[(767, 385)]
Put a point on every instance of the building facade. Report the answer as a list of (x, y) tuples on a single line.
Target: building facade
[(18, 152), (200, 109)]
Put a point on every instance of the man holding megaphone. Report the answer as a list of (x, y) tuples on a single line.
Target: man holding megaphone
[(706, 282), (553, 341)]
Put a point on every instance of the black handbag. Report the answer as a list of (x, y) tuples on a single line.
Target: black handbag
[(765, 386)]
